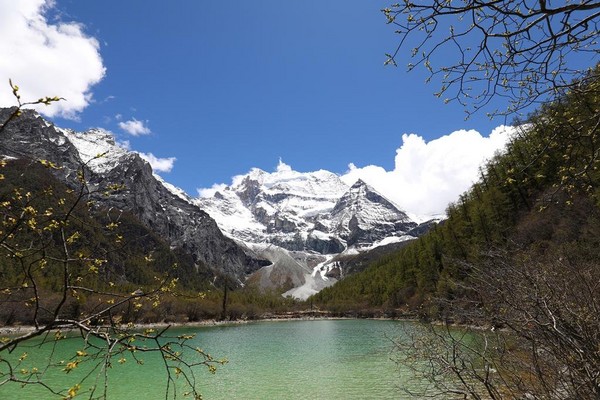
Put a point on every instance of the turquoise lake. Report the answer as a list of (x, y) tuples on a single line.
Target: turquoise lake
[(318, 359)]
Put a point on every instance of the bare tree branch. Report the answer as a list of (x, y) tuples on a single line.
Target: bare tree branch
[(527, 51)]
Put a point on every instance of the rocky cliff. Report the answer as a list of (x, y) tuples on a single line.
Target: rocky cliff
[(304, 222), (183, 224)]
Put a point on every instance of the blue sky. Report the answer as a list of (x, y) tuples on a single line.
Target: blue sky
[(221, 87)]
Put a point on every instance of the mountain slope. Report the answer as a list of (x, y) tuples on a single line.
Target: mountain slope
[(301, 221), (535, 208), (126, 259), (314, 211), (292, 222), (183, 224), (362, 217)]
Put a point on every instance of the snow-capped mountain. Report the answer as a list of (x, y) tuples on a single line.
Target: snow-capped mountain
[(313, 211), (158, 205), (97, 148), (280, 208), (282, 230), (302, 221), (363, 217)]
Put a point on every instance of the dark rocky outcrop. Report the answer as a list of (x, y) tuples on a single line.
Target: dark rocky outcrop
[(181, 223)]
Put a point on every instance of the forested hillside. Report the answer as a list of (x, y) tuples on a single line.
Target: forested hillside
[(109, 252), (535, 207), (109, 248)]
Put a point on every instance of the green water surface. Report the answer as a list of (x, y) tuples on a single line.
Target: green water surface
[(319, 359)]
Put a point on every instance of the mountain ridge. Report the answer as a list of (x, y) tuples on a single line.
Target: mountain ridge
[(294, 223), (181, 223), (313, 211), (302, 222)]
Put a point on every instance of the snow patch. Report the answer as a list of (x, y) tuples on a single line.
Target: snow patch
[(314, 282), (388, 240), (97, 148)]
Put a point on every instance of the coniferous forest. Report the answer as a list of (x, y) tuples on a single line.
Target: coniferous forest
[(517, 258), (536, 205)]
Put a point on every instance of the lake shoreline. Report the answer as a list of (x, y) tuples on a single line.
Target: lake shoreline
[(16, 330), (270, 317)]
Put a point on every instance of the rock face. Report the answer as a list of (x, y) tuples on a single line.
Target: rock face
[(363, 217), (281, 208), (314, 212), (302, 222), (283, 230), (158, 205)]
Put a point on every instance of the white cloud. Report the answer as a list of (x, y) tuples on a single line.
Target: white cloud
[(282, 167), (46, 59), (428, 176), (159, 164), (126, 144), (135, 127), (210, 192), (107, 99)]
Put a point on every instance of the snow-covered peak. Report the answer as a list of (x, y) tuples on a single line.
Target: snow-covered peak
[(102, 153), (321, 184), (273, 206), (360, 195), (289, 195), (255, 174), (97, 148), (314, 211), (363, 217), (233, 218)]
